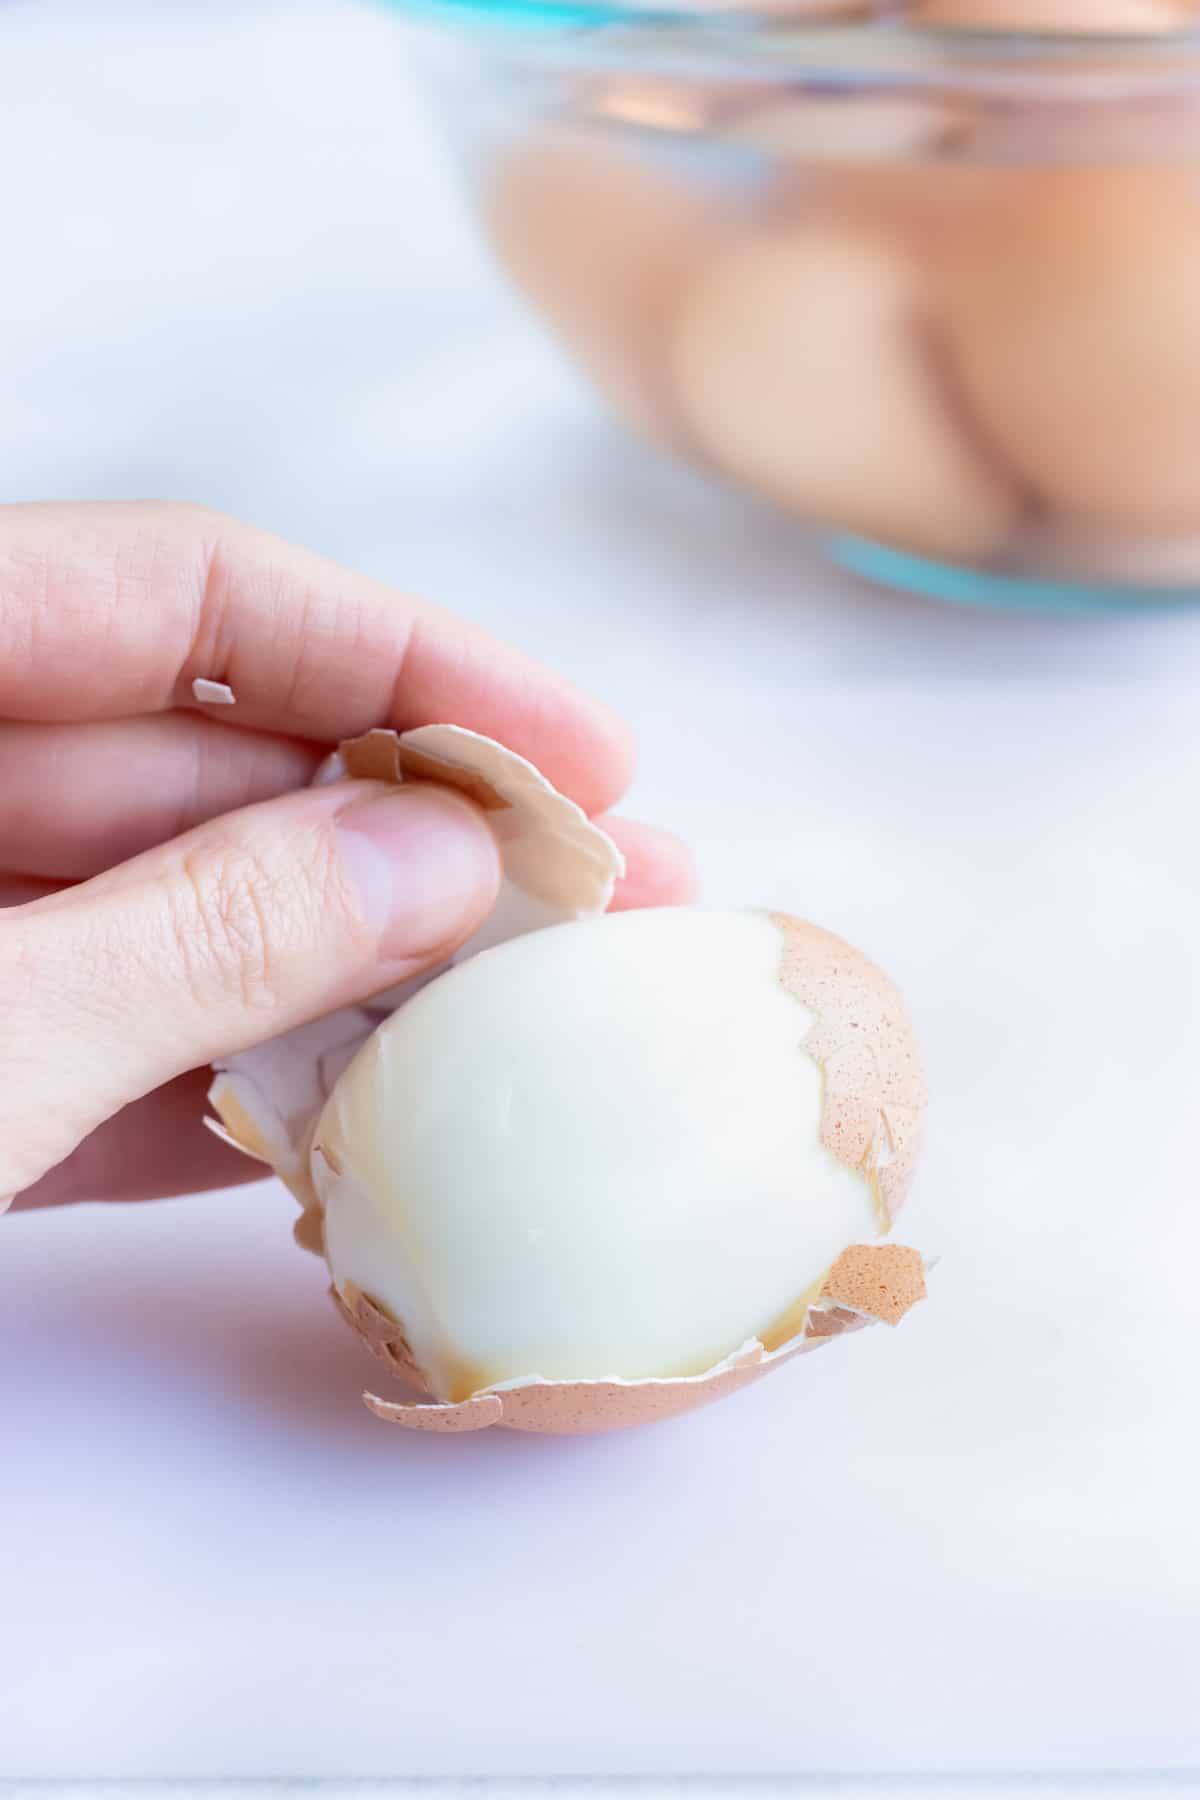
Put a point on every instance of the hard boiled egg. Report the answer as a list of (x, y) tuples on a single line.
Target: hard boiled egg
[(602, 1169)]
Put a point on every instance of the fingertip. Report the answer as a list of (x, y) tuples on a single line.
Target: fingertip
[(423, 864), (575, 740), (659, 867), (597, 753)]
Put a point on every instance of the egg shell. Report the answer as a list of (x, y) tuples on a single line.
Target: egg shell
[(874, 1094), (603, 245), (556, 866), (1071, 305), (802, 367), (872, 1111), (867, 1284), (875, 1083), (212, 693), (1072, 18)]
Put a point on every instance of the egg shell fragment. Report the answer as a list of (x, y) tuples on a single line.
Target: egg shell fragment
[(870, 1117), (270, 1098), (802, 368), (875, 1084), (1071, 303), (561, 1120), (556, 866), (212, 693), (868, 1283)]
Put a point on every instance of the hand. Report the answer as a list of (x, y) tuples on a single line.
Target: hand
[(173, 889)]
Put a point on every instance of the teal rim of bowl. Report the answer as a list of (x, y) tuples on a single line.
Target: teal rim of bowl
[(997, 593), (531, 13), (737, 19)]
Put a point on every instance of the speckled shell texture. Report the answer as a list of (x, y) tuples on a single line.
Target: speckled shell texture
[(875, 1087), (269, 1101), (867, 1283), (557, 865)]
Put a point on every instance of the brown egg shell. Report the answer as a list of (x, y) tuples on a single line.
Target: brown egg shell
[(863, 1040), (268, 1099), (873, 1106), (867, 1284)]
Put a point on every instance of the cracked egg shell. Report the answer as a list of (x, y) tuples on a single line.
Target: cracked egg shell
[(556, 866), (392, 1184), (604, 1173)]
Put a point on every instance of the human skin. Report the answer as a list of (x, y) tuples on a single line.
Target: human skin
[(173, 890)]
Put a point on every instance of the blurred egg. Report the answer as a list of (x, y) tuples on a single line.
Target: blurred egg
[(1071, 304), (916, 204), (1096, 554), (869, 159), (1054, 131), (1083, 18), (802, 365), (602, 245)]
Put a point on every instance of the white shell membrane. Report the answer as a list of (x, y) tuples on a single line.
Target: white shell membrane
[(590, 1152)]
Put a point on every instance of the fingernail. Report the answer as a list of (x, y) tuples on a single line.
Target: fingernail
[(424, 865)]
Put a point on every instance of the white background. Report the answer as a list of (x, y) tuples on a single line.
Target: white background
[(234, 269)]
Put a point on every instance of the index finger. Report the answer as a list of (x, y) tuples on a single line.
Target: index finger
[(113, 610)]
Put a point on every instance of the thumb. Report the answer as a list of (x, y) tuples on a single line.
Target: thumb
[(221, 939)]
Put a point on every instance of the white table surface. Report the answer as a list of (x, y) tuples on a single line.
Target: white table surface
[(235, 270)]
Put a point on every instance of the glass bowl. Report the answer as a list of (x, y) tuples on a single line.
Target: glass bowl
[(934, 292)]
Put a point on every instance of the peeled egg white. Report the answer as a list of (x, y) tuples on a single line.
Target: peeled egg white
[(592, 1152), (668, 1141), (802, 367)]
